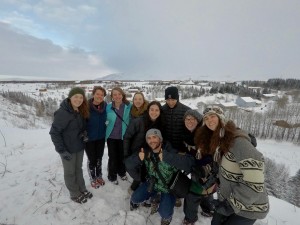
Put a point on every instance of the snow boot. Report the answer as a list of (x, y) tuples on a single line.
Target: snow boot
[(87, 194), (165, 221), (79, 199), (133, 206)]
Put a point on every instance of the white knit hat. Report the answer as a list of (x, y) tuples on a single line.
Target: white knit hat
[(213, 109)]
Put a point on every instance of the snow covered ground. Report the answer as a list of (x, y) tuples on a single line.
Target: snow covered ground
[(32, 189)]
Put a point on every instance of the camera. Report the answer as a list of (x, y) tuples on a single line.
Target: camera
[(84, 136), (151, 184)]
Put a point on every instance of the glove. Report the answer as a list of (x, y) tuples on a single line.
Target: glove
[(199, 172), (66, 155), (223, 208)]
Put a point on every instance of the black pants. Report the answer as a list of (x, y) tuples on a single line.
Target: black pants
[(94, 151), (115, 161), (233, 219), (191, 205)]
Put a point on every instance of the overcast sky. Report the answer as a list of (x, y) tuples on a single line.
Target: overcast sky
[(169, 39)]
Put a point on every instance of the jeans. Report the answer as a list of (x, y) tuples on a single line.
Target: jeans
[(167, 200), (73, 174), (219, 219)]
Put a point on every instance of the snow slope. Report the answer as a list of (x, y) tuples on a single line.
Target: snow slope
[(32, 189)]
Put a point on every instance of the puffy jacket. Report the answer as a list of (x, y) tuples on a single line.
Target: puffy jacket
[(134, 138), (96, 123), (67, 128), (174, 124)]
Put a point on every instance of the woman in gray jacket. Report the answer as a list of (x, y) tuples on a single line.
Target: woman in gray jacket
[(68, 135), (242, 196)]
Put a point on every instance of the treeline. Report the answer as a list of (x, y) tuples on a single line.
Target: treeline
[(279, 183), (42, 108), (279, 122), (276, 83)]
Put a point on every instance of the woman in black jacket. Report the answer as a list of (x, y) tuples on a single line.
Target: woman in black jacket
[(134, 138), (68, 135)]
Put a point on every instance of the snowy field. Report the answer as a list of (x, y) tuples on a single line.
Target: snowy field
[(32, 189)]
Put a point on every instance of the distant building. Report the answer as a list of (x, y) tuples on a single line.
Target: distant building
[(228, 105), (270, 97), (245, 102)]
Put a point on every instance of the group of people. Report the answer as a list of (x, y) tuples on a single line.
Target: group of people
[(152, 143)]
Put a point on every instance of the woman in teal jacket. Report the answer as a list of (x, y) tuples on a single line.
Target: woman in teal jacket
[(118, 114)]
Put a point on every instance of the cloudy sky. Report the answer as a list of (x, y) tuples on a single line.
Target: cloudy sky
[(169, 39)]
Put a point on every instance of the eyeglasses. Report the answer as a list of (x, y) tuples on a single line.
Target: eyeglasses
[(191, 119), (216, 109)]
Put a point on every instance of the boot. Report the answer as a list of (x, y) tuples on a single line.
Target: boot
[(165, 221)]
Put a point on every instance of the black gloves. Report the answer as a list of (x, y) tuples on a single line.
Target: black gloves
[(66, 155), (223, 208)]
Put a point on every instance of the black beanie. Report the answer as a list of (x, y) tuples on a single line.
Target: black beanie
[(76, 90), (171, 93)]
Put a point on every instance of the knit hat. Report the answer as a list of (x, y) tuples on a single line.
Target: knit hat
[(194, 113), (213, 109), (76, 90), (155, 132), (171, 93)]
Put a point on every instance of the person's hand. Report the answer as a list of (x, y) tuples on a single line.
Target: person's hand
[(160, 155), (223, 208), (66, 155), (142, 154)]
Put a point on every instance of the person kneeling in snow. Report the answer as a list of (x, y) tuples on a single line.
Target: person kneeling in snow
[(154, 186)]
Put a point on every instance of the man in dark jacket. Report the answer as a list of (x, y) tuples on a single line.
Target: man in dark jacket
[(174, 124), (152, 156), (173, 115)]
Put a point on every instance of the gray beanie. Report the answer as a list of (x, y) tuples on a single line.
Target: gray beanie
[(194, 113), (155, 132)]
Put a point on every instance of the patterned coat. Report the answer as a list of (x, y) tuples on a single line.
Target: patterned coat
[(241, 177)]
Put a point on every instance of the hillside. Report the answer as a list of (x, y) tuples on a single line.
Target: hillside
[(32, 189)]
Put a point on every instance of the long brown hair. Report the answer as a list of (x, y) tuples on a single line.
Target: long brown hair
[(208, 140), (124, 99)]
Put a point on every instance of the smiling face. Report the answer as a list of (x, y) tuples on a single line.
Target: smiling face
[(190, 123), (117, 96), (76, 101), (154, 142), (211, 121), (138, 100), (98, 97), (154, 112)]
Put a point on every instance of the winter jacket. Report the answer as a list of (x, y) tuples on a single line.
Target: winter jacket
[(174, 124), (111, 119), (133, 164), (67, 128), (96, 122), (241, 177), (134, 138)]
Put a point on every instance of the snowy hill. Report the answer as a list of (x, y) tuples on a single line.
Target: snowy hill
[(32, 189)]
